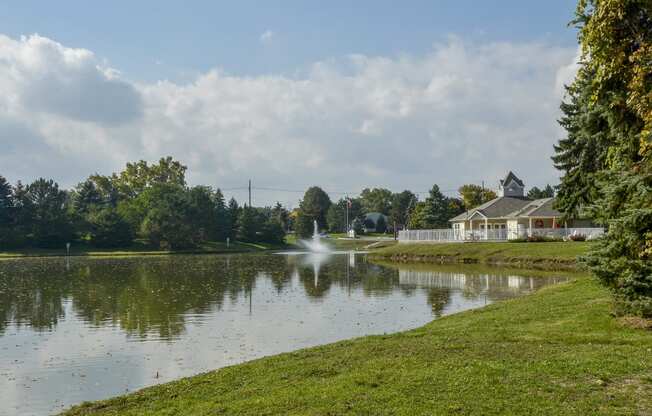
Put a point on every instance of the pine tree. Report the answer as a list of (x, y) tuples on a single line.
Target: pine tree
[(607, 156)]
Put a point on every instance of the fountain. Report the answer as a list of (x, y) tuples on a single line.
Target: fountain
[(315, 245)]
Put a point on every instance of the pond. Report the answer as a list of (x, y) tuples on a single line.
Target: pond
[(80, 329)]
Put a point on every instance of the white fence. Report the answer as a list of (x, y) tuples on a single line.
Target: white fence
[(451, 235)]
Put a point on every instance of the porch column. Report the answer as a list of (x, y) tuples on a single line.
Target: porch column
[(529, 230), (486, 230), (554, 223), (471, 229)]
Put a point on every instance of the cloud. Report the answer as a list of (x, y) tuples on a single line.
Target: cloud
[(266, 37), (47, 77), (463, 112)]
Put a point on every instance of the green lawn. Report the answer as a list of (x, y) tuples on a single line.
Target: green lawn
[(556, 352), (139, 249), (544, 254)]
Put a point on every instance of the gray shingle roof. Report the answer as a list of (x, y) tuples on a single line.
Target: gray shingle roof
[(511, 177), (496, 208), (511, 207)]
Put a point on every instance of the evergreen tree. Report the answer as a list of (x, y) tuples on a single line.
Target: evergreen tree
[(233, 215), (6, 203), (249, 225), (402, 206), (7, 224), (221, 212), (107, 228), (609, 129), (536, 193)]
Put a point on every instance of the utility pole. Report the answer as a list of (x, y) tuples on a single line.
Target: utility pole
[(249, 193), (347, 216)]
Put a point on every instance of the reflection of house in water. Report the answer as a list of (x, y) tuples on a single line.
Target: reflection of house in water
[(492, 284)]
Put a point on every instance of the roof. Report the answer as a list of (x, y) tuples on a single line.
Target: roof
[(499, 207), (512, 207), (373, 216), (541, 208), (511, 177)]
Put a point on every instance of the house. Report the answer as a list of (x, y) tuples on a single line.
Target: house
[(510, 216), (370, 222)]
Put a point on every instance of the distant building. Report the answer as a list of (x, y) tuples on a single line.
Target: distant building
[(509, 216), (370, 222)]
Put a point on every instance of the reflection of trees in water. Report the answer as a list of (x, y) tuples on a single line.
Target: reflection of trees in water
[(140, 295), (438, 298), (155, 295), (318, 273), (30, 295)]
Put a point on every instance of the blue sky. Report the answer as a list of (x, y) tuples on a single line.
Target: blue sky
[(149, 40), (340, 94)]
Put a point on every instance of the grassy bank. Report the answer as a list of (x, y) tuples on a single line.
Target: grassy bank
[(558, 351), (555, 255), (137, 249)]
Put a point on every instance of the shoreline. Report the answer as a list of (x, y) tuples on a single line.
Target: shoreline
[(560, 256), (544, 353)]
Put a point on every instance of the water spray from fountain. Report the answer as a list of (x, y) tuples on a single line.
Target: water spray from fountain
[(315, 244)]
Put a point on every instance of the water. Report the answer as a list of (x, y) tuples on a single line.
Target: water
[(88, 329), (315, 244)]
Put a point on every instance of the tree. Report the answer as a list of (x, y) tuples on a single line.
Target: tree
[(249, 225), (421, 217), (166, 222), (381, 224), (536, 193), (48, 219), (582, 154), (336, 217), (233, 215), (7, 211), (139, 176), (107, 228), (455, 207), (303, 226), (315, 205), (281, 215), (474, 195), (6, 202), (376, 200), (435, 211), (85, 196), (610, 118), (272, 231), (222, 219), (403, 204), (201, 215)]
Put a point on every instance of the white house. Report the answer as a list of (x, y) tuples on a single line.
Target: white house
[(509, 216)]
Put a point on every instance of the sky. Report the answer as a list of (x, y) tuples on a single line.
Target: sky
[(289, 94)]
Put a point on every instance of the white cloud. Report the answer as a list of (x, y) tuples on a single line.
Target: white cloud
[(266, 37), (464, 112)]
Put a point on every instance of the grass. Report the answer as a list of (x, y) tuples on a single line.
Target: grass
[(558, 255), (556, 352), (139, 249)]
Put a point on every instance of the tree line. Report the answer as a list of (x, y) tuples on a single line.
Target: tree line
[(402, 209), (148, 202), (152, 203)]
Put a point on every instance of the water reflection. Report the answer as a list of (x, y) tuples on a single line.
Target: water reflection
[(67, 327)]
